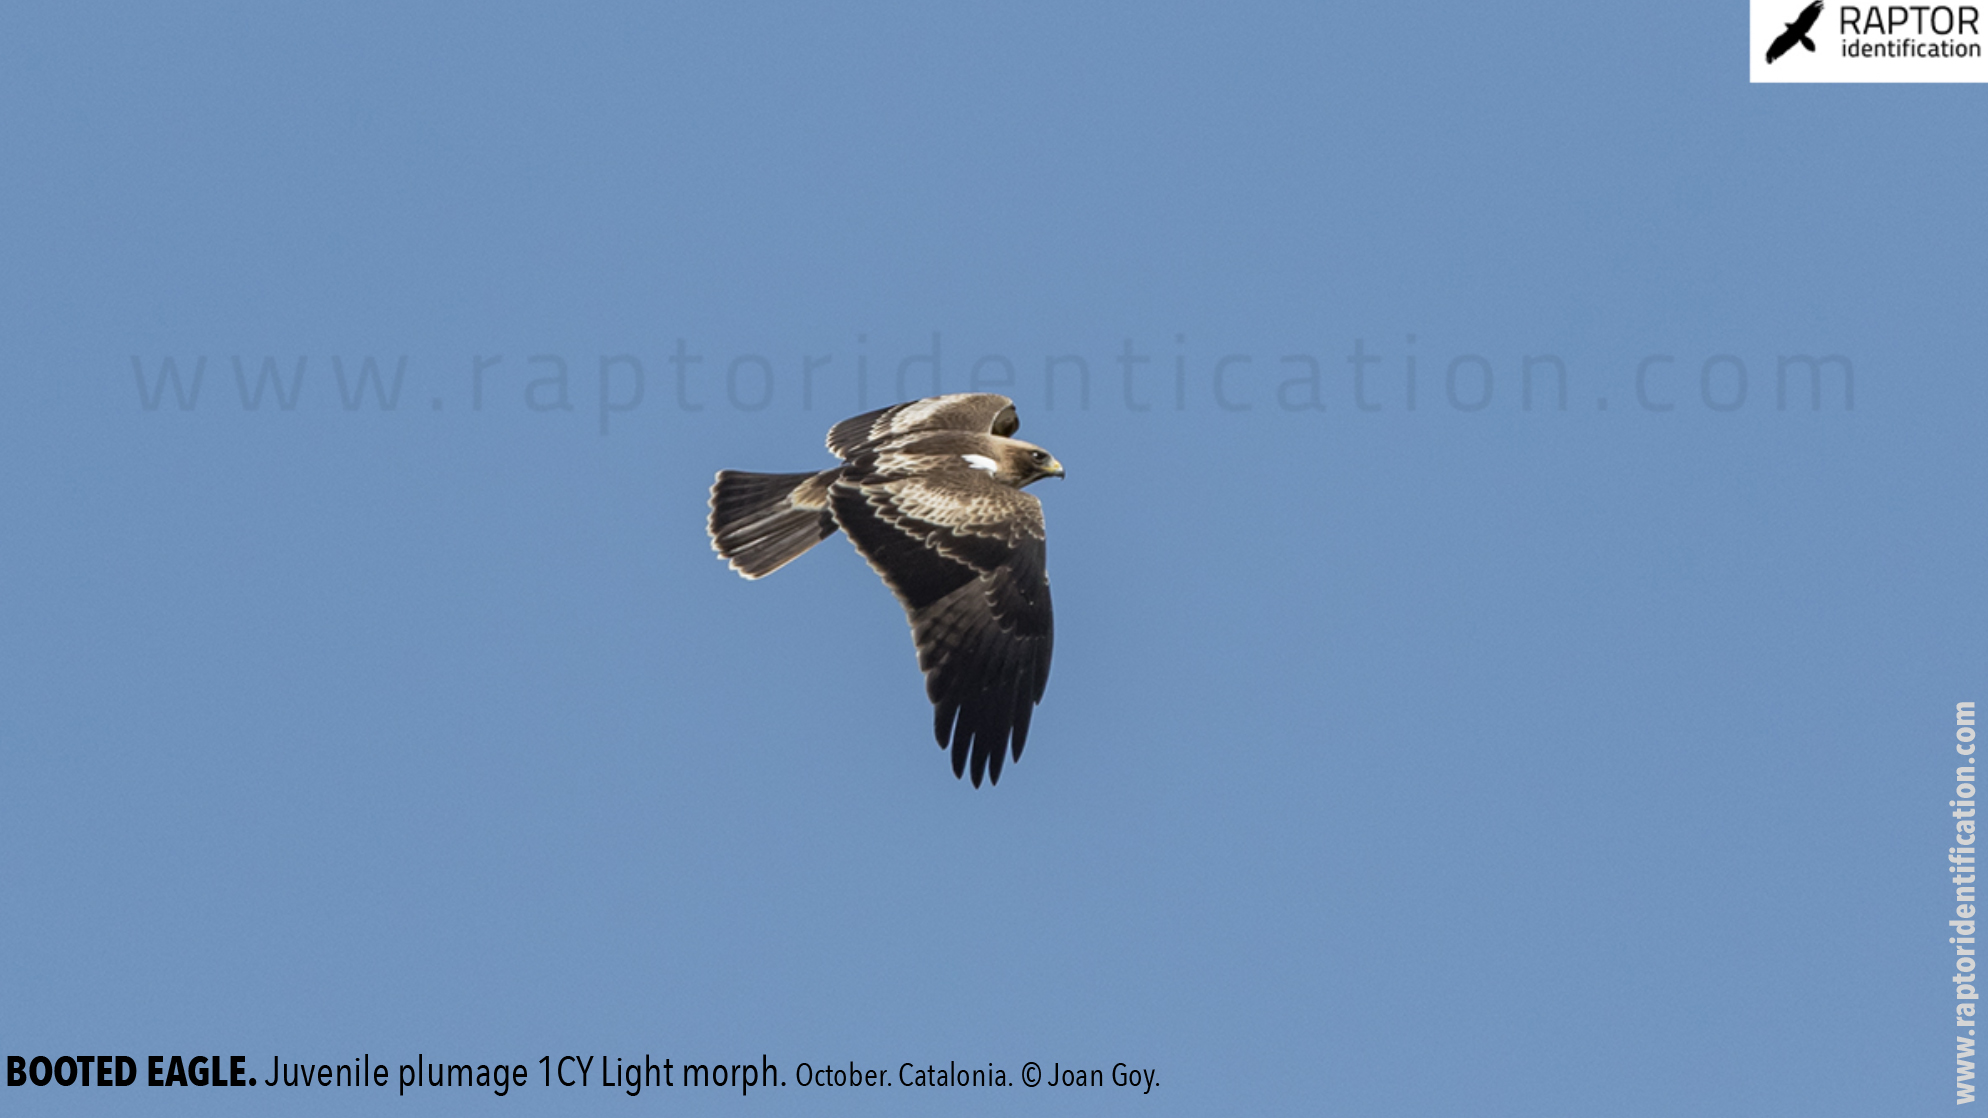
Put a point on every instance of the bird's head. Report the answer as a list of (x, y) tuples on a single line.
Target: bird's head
[(1022, 464)]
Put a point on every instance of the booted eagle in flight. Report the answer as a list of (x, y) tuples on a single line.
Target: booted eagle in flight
[(930, 492)]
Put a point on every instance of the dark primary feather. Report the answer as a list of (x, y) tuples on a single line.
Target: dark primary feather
[(965, 555)]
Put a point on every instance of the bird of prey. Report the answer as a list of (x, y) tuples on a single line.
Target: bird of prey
[(1797, 32), (930, 492)]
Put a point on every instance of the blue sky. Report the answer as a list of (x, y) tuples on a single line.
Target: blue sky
[(1468, 758)]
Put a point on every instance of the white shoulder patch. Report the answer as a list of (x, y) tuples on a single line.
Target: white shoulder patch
[(980, 462)]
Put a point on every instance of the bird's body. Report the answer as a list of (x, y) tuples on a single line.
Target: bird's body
[(930, 492), (1796, 32)]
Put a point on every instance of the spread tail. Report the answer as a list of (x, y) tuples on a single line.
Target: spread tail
[(762, 522)]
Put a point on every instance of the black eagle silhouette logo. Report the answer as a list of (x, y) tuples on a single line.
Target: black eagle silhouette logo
[(1797, 32)]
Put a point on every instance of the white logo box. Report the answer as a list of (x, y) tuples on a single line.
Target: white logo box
[(1920, 42)]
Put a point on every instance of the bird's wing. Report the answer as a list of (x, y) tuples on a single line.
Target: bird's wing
[(1785, 43), (980, 412), (1807, 19), (965, 555)]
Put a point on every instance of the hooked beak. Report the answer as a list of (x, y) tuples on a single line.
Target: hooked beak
[(1055, 468)]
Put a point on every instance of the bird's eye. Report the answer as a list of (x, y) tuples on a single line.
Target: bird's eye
[(1039, 456)]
